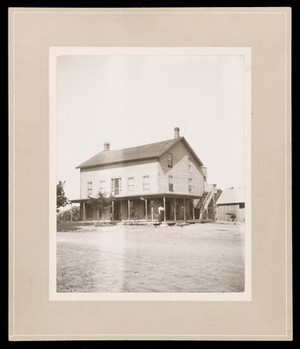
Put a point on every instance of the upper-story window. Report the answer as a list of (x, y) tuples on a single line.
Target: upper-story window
[(191, 185), (102, 186), (171, 186), (89, 188), (146, 182), (189, 164), (170, 160), (130, 184), (116, 186)]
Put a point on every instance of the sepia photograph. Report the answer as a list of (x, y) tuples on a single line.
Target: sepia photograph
[(151, 173)]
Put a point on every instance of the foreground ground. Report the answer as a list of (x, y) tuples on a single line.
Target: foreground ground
[(195, 258)]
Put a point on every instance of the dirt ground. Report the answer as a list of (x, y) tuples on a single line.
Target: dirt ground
[(195, 258)]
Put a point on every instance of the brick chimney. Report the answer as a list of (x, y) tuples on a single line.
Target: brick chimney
[(176, 132), (106, 146)]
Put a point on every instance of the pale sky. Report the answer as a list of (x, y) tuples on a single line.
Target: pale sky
[(134, 100)]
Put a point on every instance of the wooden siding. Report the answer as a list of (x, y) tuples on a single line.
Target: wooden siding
[(135, 169), (224, 212), (180, 172)]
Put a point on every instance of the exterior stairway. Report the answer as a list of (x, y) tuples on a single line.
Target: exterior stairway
[(208, 196)]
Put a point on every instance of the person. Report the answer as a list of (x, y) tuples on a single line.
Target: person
[(161, 210)]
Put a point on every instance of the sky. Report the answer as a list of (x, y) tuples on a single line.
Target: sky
[(134, 100)]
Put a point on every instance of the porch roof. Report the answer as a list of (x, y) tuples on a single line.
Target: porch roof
[(147, 196)]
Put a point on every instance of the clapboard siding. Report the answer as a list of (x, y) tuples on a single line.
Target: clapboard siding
[(136, 170), (180, 172)]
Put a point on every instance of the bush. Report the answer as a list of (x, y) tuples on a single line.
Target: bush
[(65, 216)]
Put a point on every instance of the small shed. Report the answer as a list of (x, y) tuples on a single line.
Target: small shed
[(231, 205)]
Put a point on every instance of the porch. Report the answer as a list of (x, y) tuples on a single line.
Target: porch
[(143, 209)]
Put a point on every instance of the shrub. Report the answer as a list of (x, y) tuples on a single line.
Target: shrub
[(65, 216)]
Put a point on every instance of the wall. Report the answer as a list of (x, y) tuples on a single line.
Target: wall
[(223, 213), (136, 170), (180, 172)]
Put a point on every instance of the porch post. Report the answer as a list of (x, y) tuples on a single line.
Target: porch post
[(121, 209), (112, 210), (128, 209), (83, 211), (184, 212), (213, 213), (175, 209), (193, 209), (97, 214), (146, 209), (165, 219), (152, 213)]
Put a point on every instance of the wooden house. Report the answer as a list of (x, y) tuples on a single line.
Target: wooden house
[(142, 178)]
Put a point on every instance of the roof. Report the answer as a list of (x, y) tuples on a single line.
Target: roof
[(147, 196), (231, 196), (143, 152)]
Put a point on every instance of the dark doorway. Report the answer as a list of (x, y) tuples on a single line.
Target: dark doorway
[(117, 211), (169, 209)]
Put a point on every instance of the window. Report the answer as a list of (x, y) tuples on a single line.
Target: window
[(146, 182), (89, 188), (171, 187), (191, 185), (102, 186), (242, 205), (116, 186), (189, 164), (170, 160), (130, 184)]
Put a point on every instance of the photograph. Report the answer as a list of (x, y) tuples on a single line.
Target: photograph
[(150, 173)]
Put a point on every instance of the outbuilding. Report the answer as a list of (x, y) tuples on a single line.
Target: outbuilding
[(231, 205)]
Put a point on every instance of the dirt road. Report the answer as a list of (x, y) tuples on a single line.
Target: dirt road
[(195, 258)]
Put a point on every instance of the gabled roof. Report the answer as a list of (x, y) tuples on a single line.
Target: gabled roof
[(143, 152), (231, 196)]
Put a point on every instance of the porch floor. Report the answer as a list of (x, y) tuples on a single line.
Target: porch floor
[(139, 222)]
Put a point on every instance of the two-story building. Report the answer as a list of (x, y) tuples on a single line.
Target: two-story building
[(142, 178)]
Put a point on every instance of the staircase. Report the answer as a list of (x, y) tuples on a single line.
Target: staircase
[(207, 197)]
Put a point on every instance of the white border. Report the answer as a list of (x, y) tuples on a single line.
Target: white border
[(54, 52)]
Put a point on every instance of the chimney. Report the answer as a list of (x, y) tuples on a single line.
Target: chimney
[(106, 146), (176, 132)]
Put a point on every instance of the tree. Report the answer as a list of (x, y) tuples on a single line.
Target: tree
[(61, 199), (101, 203)]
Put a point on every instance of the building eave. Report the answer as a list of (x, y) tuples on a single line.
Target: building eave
[(230, 203), (146, 196), (118, 162), (186, 143)]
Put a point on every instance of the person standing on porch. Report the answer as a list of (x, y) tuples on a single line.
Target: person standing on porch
[(161, 211)]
